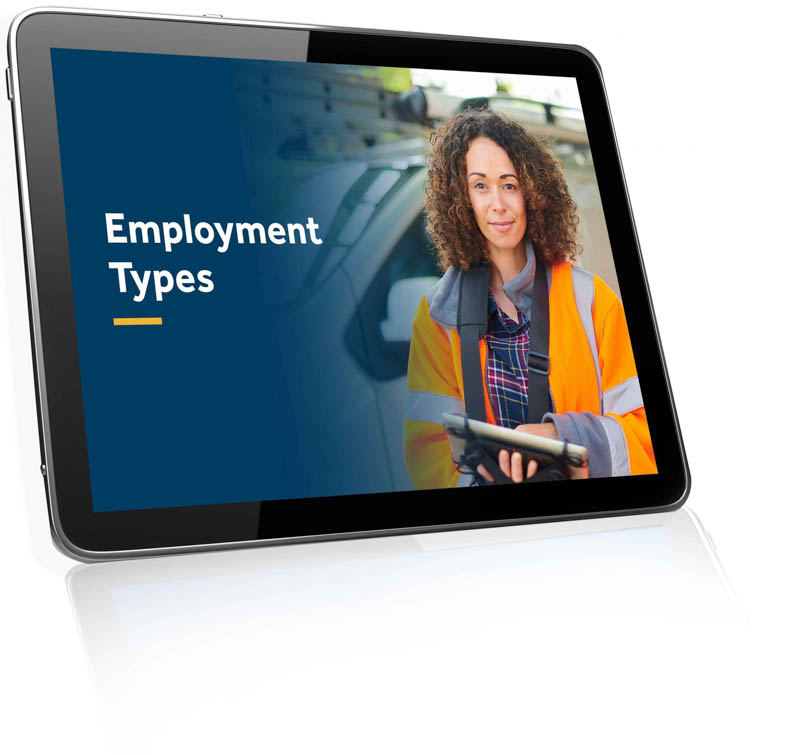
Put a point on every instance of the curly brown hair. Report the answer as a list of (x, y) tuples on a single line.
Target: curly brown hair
[(552, 217)]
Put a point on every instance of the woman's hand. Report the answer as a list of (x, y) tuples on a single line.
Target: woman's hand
[(511, 464), (545, 429)]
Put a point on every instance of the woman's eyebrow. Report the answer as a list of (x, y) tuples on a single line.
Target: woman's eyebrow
[(483, 175)]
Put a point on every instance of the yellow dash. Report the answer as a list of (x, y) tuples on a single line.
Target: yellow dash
[(137, 321)]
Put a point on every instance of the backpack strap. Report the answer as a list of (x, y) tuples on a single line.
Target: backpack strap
[(473, 307), (472, 322), (539, 348)]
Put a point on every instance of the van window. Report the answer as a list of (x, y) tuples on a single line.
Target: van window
[(411, 258)]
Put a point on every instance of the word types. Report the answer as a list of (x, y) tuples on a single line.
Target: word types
[(163, 281)]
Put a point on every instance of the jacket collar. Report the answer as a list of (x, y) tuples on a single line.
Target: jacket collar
[(443, 297)]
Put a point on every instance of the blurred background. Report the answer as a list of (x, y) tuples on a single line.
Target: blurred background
[(380, 119), (351, 143)]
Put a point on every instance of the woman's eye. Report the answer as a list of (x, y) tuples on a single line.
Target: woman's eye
[(510, 186), (480, 185)]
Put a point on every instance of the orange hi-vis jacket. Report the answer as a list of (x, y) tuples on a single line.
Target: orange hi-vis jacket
[(593, 380)]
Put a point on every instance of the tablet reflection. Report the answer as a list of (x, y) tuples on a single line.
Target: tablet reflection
[(170, 637)]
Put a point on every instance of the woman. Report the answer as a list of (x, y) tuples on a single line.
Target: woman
[(497, 195)]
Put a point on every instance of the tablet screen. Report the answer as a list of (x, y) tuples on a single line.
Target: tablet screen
[(257, 252)]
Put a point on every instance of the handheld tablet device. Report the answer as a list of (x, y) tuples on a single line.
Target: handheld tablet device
[(264, 259), (459, 423), (475, 443)]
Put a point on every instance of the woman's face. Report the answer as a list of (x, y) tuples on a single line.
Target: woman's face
[(496, 195)]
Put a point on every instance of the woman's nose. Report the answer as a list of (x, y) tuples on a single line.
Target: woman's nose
[(497, 200)]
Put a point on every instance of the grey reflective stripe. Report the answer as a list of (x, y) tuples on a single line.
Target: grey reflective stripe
[(464, 481), (620, 463), (624, 397), (429, 407), (583, 286)]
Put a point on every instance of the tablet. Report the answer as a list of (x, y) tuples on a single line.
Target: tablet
[(244, 249), (459, 427)]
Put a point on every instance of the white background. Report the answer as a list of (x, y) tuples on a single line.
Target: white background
[(448, 644)]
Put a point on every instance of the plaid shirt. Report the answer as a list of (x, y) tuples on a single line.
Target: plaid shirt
[(507, 365)]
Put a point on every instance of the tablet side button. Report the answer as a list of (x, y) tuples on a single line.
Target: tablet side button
[(43, 470), (8, 84)]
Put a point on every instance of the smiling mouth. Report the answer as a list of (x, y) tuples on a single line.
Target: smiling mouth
[(502, 226)]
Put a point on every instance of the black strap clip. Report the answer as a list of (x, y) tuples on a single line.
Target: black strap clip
[(538, 362)]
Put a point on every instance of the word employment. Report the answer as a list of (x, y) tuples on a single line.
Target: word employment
[(169, 234)]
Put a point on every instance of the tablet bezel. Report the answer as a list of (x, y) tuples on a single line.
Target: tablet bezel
[(89, 535)]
